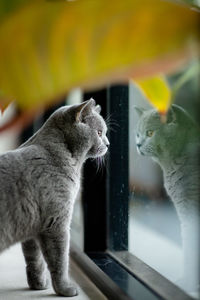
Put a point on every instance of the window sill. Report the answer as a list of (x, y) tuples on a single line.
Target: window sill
[(13, 284), (113, 274), (149, 277)]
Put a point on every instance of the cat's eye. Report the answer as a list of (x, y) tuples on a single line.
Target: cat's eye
[(150, 133), (99, 133)]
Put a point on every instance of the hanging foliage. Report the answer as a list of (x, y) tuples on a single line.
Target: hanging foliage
[(49, 47), (157, 91)]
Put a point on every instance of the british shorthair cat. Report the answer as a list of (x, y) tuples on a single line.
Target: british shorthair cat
[(39, 182)]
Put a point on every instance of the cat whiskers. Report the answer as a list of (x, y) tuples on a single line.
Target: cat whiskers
[(111, 123), (105, 158), (101, 163)]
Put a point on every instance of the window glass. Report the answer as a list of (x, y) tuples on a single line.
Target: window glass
[(164, 182)]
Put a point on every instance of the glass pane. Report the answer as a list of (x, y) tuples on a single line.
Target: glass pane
[(164, 182)]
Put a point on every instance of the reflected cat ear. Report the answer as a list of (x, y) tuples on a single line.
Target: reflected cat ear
[(98, 108), (84, 109), (171, 115), (139, 110)]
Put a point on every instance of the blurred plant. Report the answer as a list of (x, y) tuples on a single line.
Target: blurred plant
[(157, 91), (160, 93), (49, 47), (191, 72)]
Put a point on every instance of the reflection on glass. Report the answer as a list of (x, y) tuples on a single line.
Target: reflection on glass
[(167, 227)]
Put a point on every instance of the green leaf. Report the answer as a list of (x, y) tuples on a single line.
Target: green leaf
[(192, 71)]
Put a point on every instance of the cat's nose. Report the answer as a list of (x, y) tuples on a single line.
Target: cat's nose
[(138, 145), (107, 144), (106, 141)]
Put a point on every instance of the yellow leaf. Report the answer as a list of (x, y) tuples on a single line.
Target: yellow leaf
[(157, 91), (4, 102), (50, 47)]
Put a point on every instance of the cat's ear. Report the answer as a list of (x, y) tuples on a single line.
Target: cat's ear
[(139, 110), (97, 108), (84, 109)]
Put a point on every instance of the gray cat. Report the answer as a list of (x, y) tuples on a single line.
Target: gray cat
[(38, 185), (175, 146)]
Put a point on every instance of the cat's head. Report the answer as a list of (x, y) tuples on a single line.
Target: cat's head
[(157, 139), (83, 128)]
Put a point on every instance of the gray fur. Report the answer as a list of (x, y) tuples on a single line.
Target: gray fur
[(175, 146), (38, 185)]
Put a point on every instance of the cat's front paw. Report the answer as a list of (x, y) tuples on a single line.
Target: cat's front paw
[(67, 291), (39, 285), (37, 282), (37, 278)]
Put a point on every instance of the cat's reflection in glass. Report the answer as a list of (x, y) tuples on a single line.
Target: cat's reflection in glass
[(175, 146)]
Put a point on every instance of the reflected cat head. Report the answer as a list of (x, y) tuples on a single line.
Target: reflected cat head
[(157, 139)]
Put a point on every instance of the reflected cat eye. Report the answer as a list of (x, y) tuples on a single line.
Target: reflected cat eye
[(149, 133), (99, 133)]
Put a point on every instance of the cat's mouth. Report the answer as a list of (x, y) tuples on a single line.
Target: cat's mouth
[(140, 151), (102, 151)]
